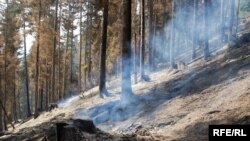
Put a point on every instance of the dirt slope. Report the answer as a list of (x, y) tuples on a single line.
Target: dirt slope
[(174, 105)]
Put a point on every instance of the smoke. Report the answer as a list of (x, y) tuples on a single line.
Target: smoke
[(69, 101), (115, 111), (186, 31)]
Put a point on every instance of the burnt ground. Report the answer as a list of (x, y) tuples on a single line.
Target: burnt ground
[(174, 105)]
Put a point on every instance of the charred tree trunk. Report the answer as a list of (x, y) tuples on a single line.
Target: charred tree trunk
[(71, 52), (46, 88), (60, 95), (126, 52), (222, 20), (54, 53), (231, 22), (194, 29), (151, 28), (237, 17), (65, 59), (206, 28), (26, 73), (37, 63), (142, 57), (80, 58), (14, 99), (5, 89), (89, 48), (1, 97), (172, 38), (41, 98), (102, 83), (135, 59)]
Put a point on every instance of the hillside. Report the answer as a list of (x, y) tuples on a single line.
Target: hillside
[(174, 105)]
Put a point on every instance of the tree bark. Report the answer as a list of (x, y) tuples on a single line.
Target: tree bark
[(151, 28), (41, 98), (80, 58), (237, 17), (102, 83), (126, 52), (231, 22), (89, 48), (54, 53), (194, 29), (37, 63), (1, 97), (222, 20), (60, 95), (172, 40), (135, 59), (86, 52), (71, 51), (206, 28), (142, 57), (26, 73), (46, 87)]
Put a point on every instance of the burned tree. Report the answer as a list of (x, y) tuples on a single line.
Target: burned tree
[(126, 51), (102, 83)]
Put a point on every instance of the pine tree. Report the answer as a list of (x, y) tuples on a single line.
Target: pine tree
[(102, 83), (126, 52)]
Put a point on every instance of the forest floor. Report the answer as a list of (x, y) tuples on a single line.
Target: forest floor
[(173, 105)]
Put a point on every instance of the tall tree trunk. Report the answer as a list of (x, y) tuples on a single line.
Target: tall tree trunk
[(5, 88), (86, 50), (237, 17), (151, 28), (54, 53), (60, 95), (89, 48), (71, 52), (41, 98), (142, 57), (135, 59), (65, 59), (46, 87), (1, 97), (126, 52), (206, 29), (65, 67), (37, 63), (85, 58), (14, 97), (18, 103), (172, 40), (231, 22), (102, 83), (26, 73), (194, 29), (222, 20), (80, 58), (153, 53)]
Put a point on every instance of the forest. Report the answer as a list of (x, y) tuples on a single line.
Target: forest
[(122, 69)]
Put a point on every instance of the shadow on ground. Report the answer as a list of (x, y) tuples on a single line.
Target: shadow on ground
[(199, 131), (226, 69)]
